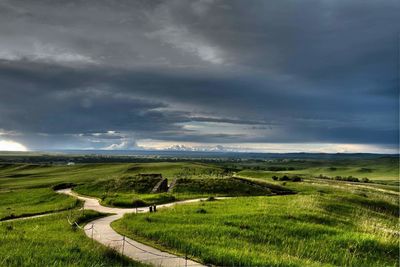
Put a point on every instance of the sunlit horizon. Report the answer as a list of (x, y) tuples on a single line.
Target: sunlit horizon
[(12, 146)]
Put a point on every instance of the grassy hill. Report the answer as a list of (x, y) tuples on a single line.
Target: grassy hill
[(136, 191), (327, 222), (51, 241), (321, 226), (25, 202), (39, 175), (381, 169)]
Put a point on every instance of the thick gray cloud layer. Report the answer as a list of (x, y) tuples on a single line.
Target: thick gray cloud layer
[(95, 74)]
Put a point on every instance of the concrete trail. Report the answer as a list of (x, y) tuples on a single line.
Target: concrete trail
[(103, 233), (30, 217)]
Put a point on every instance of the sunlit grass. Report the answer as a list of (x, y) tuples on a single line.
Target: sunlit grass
[(21, 203), (51, 241), (297, 230), (326, 223), (135, 192)]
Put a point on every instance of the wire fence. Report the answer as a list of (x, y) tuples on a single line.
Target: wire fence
[(124, 242)]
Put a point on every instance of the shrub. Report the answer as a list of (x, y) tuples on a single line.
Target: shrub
[(365, 180), (136, 203), (63, 186), (160, 198), (284, 178), (296, 179), (276, 168), (352, 179), (340, 178)]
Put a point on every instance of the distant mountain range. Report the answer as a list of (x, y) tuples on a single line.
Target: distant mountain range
[(171, 153)]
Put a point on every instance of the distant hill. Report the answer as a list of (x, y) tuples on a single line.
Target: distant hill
[(98, 156)]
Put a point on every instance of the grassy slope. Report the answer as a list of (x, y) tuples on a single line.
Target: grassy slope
[(227, 187), (390, 185), (114, 191), (323, 226), (50, 241), (25, 202), (375, 169), (31, 175), (120, 192), (14, 176)]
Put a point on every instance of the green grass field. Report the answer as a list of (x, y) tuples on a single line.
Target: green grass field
[(25, 202), (326, 222), (51, 241), (14, 176), (135, 191), (321, 227), (382, 169)]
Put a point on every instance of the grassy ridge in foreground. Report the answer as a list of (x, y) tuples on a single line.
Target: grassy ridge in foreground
[(51, 241), (297, 230)]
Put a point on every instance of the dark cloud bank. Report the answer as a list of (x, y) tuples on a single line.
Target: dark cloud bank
[(107, 74)]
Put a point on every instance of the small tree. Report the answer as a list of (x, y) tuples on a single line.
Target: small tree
[(284, 178), (365, 180)]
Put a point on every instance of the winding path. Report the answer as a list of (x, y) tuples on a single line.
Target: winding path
[(103, 233), (31, 216)]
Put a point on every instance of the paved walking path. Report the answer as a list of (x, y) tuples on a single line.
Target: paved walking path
[(103, 233), (30, 217)]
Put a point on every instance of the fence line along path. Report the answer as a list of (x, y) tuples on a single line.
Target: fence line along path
[(101, 231)]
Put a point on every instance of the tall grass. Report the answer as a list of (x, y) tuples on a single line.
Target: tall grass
[(26, 202), (296, 230), (51, 241)]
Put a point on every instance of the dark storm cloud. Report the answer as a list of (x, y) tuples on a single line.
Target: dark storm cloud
[(106, 73)]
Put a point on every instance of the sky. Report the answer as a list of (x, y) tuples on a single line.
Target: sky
[(220, 75)]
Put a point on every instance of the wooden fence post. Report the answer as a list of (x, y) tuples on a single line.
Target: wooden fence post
[(92, 232), (123, 244)]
